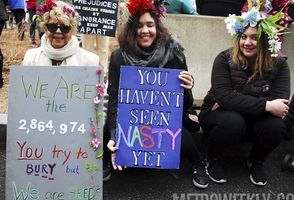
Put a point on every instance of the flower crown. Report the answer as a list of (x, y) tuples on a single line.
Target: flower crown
[(51, 5), (139, 7), (47, 7), (253, 18)]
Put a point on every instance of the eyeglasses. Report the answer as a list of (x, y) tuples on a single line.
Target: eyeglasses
[(53, 28)]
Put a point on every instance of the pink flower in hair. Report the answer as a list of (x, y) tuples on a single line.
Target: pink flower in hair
[(45, 8), (69, 12)]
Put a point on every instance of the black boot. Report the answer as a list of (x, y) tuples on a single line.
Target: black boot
[(289, 121)]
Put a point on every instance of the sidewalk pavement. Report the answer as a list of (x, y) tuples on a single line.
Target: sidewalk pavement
[(149, 184)]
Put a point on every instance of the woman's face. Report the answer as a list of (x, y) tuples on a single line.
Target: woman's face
[(146, 31), (58, 34), (248, 42)]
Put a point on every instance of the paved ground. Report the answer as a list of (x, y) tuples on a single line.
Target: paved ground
[(133, 184)]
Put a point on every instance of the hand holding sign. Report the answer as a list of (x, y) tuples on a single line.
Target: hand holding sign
[(150, 106), (111, 146), (188, 80), (115, 167)]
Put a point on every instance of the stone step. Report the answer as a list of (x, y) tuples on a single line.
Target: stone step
[(3, 118)]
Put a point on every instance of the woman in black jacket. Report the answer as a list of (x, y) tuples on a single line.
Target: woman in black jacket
[(145, 42), (248, 97)]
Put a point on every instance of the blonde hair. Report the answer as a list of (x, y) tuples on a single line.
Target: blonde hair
[(263, 61), (63, 13)]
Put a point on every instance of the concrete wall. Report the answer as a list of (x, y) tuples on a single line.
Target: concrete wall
[(204, 37)]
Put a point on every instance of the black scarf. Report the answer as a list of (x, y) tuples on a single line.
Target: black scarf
[(158, 56)]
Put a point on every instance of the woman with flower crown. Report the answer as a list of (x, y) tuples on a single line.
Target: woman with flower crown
[(144, 41), (250, 87), (59, 46)]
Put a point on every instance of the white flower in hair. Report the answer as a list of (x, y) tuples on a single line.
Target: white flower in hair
[(274, 46), (230, 21)]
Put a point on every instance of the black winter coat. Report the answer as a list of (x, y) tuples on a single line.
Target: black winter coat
[(232, 91), (116, 61)]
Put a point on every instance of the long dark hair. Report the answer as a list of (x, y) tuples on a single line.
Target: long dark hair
[(127, 38)]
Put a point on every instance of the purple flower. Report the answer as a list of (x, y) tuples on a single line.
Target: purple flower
[(69, 12), (161, 10), (93, 131), (42, 9), (99, 71), (45, 8)]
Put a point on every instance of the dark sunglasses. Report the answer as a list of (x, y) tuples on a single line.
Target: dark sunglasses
[(53, 28)]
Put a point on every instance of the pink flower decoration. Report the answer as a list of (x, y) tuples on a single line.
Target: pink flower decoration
[(100, 89), (99, 71), (93, 131), (45, 8), (69, 12), (161, 11), (95, 143)]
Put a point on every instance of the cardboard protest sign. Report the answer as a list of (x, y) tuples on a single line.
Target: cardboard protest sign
[(54, 133), (97, 17), (150, 106)]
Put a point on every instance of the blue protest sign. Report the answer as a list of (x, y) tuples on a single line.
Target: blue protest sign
[(150, 106)]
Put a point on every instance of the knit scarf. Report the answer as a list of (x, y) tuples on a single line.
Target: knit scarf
[(61, 53), (159, 56)]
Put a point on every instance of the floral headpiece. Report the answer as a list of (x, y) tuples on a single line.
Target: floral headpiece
[(139, 7), (51, 5), (268, 25), (47, 7)]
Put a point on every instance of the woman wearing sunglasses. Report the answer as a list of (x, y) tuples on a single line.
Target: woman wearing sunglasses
[(59, 46)]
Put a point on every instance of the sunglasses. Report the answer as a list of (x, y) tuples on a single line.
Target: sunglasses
[(53, 28)]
